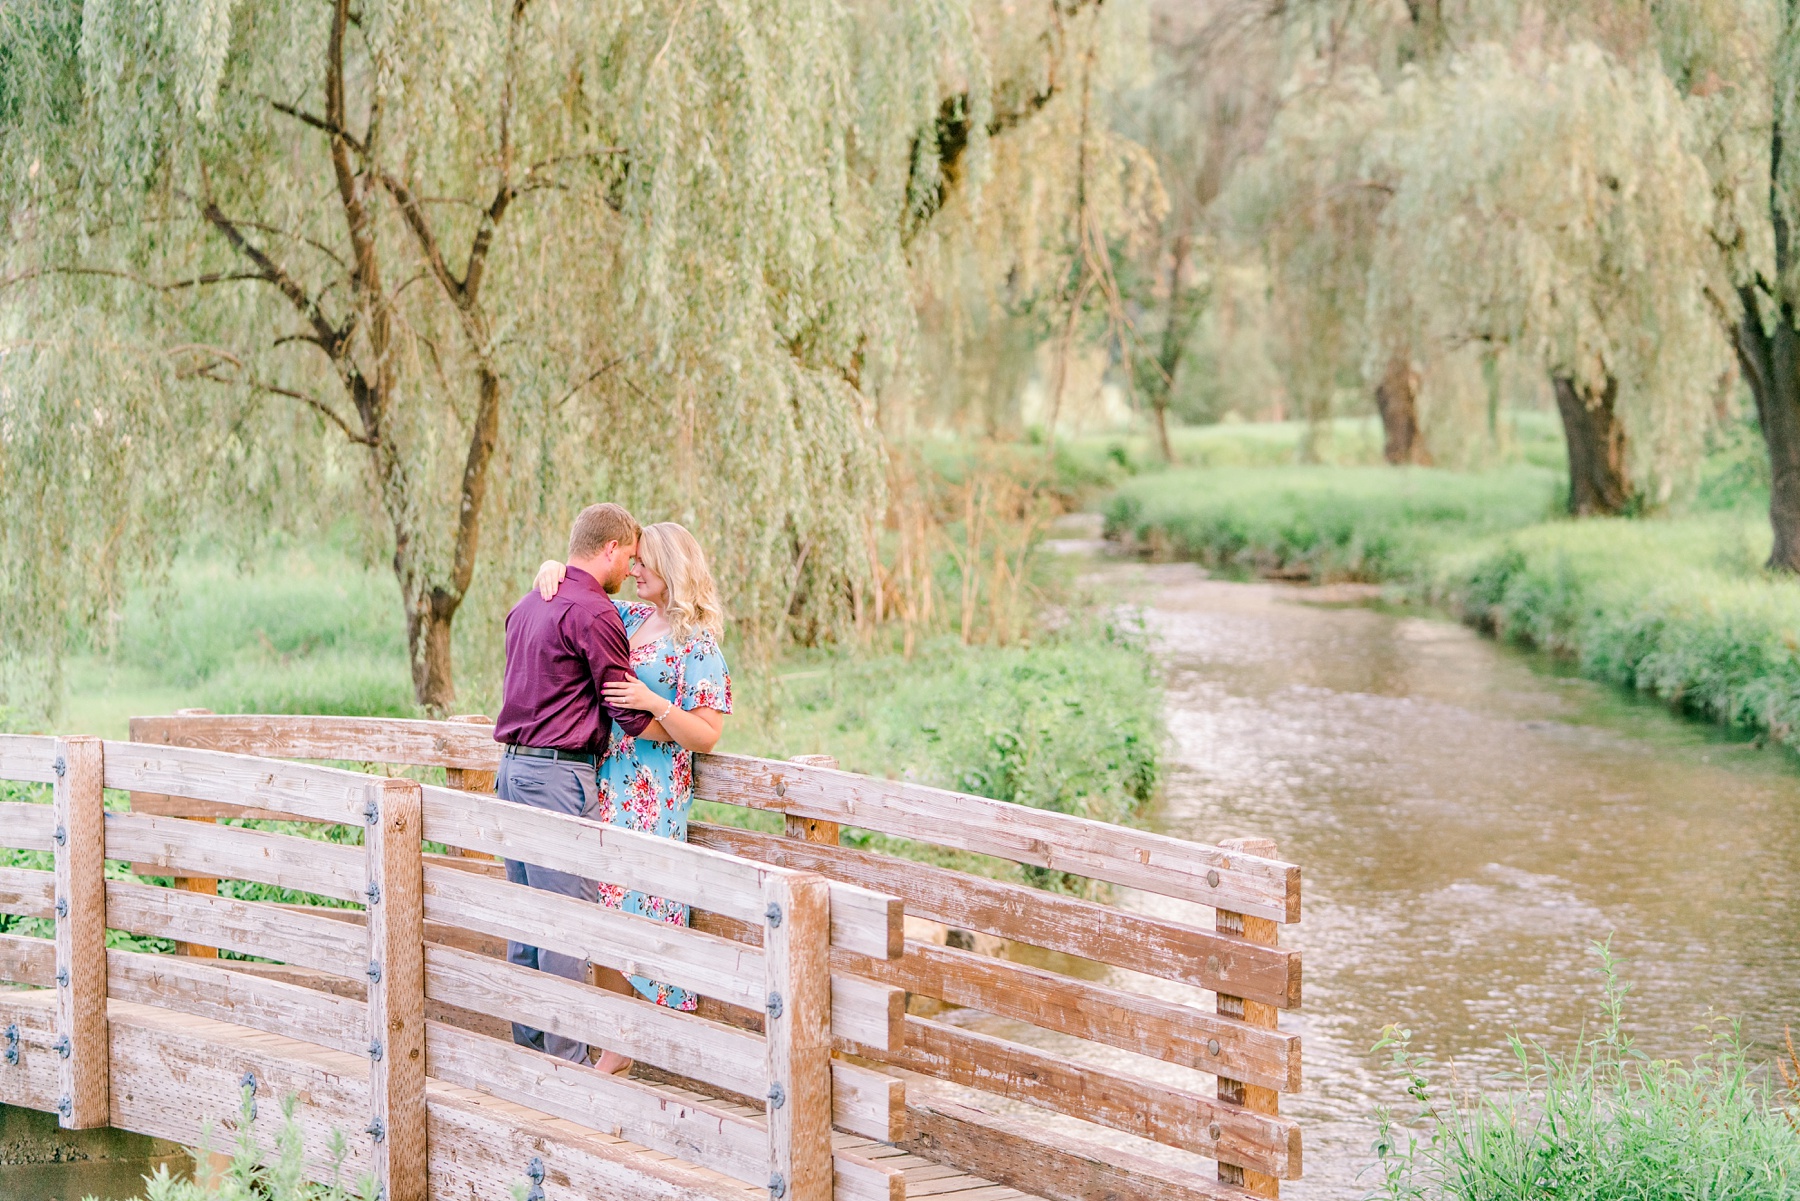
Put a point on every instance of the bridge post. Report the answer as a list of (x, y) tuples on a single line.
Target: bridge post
[(797, 968), (1250, 1096), (812, 829), (79, 812), (397, 1121)]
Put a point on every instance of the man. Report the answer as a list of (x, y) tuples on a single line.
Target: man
[(555, 721)]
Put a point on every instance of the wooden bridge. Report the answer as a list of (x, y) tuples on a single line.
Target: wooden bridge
[(802, 1077)]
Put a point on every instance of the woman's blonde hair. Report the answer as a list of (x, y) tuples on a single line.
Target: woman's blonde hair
[(691, 599)]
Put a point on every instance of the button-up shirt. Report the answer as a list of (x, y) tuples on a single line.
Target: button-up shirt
[(558, 654)]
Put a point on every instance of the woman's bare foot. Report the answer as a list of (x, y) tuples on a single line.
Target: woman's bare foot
[(613, 1063)]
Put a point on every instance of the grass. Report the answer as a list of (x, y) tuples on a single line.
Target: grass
[(1675, 605), (1600, 1123)]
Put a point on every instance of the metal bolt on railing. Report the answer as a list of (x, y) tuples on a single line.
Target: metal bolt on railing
[(371, 812), (773, 913), (63, 1046), (62, 977), (62, 906), (60, 767), (64, 1105), (375, 1129), (777, 1186), (60, 836), (777, 1095), (534, 1171), (373, 892), (12, 1045), (374, 972), (774, 1005), (375, 1049), (248, 1085)]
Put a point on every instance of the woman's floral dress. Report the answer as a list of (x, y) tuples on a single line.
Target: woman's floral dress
[(649, 786)]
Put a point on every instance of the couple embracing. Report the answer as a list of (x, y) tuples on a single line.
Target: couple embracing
[(604, 703)]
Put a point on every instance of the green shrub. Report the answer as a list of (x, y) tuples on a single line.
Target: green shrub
[(1603, 1123), (255, 1176)]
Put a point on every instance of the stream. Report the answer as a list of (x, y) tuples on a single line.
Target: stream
[(1470, 820)]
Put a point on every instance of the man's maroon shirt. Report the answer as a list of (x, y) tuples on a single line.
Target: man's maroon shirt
[(558, 654)]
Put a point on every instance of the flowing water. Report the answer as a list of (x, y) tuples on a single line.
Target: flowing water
[(1469, 821)]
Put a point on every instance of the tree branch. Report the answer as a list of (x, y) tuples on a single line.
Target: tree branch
[(320, 123), (210, 371), (330, 340)]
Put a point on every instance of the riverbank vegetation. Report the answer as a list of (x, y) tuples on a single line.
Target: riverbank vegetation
[(1597, 1123)]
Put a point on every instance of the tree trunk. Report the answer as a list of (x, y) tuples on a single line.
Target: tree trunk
[(1771, 361), (1596, 438), (428, 622), (1396, 399)]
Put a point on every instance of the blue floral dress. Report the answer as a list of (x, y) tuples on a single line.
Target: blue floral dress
[(649, 786)]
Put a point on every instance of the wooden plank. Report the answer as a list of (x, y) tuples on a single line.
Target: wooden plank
[(27, 757), (812, 829), (176, 1074), (468, 779), (26, 960), (1057, 1167), (396, 972), (797, 1035), (634, 945), (320, 793), (862, 919), (1134, 858), (27, 892), (173, 846), (343, 739), (1144, 1108), (158, 805), (1102, 933), (867, 1102), (79, 838), (481, 1144), (32, 1082), (227, 994), (1239, 1088), (858, 1178), (26, 826), (630, 1109), (248, 927), (1147, 1025), (682, 1043)]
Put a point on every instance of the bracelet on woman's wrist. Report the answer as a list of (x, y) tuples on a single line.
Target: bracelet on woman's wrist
[(667, 709)]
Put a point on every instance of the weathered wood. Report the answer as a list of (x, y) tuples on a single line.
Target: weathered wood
[(27, 892), (1138, 859), (177, 847), (616, 1105), (208, 885), (856, 1177), (1240, 1088), (25, 960), (1159, 1112), (680, 1042), (232, 995), (1147, 1025), (248, 927), (27, 757), (396, 971), (468, 779), (158, 805), (867, 1102), (863, 920), (79, 839), (341, 739), (1102, 933), (320, 793), (636, 946), (26, 826), (812, 829), (797, 1037), (1056, 1166)]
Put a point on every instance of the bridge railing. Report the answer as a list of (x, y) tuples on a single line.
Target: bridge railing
[(399, 970), (1193, 975)]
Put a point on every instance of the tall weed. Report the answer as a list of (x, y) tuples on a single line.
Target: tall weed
[(1602, 1123)]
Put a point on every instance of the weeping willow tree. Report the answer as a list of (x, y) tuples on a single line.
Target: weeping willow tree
[(455, 269), (1550, 204)]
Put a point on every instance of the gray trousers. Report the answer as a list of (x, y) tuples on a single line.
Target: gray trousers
[(560, 786)]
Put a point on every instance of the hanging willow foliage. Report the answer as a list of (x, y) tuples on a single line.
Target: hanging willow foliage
[(457, 269)]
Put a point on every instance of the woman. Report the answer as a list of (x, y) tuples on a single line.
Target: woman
[(647, 783)]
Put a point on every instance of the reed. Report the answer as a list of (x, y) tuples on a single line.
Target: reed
[(1602, 1122)]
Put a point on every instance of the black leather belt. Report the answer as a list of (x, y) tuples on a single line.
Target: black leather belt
[(549, 752)]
